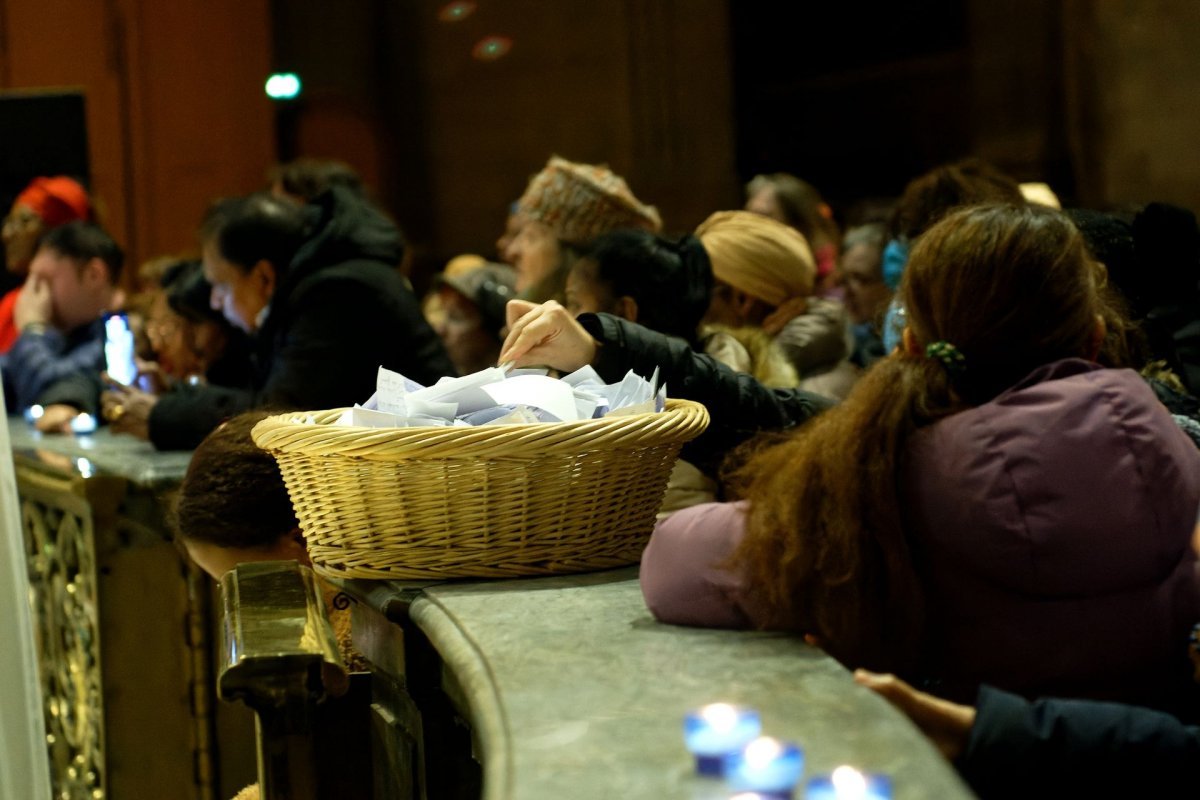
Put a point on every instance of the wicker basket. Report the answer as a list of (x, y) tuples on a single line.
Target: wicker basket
[(490, 501)]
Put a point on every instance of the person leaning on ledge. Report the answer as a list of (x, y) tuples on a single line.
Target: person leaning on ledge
[(57, 357), (317, 289)]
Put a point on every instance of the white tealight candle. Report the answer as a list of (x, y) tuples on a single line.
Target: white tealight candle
[(765, 765), (716, 730), (847, 783)]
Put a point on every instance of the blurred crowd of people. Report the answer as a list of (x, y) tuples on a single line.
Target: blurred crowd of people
[(955, 440)]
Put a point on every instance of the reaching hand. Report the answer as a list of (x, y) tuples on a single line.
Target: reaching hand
[(947, 724), (546, 335), (33, 306)]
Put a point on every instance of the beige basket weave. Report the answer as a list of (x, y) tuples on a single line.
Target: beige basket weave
[(490, 502)]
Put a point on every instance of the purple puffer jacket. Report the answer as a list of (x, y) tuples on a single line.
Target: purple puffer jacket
[(1052, 527), (1053, 530)]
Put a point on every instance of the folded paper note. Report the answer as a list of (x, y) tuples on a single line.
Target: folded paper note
[(503, 396)]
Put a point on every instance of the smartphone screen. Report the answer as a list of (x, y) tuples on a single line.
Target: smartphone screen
[(118, 349)]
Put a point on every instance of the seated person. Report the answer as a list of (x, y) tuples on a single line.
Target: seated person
[(636, 275), (765, 276), (663, 285), (57, 358), (44, 204), (865, 293), (797, 203), (565, 206), (317, 290), (192, 342), (470, 316), (1006, 475)]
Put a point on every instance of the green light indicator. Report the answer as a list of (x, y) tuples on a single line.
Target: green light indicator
[(283, 86)]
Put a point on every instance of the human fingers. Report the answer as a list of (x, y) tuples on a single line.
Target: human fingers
[(947, 724), (549, 336), (525, 315), (515, 309), (531, 330)]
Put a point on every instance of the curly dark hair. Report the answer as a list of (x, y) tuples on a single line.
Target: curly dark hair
[(233, 494)]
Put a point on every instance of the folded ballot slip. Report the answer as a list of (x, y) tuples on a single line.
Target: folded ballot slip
[(497, 396)]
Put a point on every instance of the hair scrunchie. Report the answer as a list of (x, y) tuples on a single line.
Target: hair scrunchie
[(951, 357)]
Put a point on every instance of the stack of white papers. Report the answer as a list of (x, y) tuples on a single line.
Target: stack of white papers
[(496, 396)]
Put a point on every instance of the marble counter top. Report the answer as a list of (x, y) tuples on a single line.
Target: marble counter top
[(575, 691), (99, 453)]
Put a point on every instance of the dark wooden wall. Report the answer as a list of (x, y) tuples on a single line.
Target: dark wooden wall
[(686, 98), (176, 112), (449, 141)]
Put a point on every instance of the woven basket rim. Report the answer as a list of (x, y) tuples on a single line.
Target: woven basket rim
[(287, 432)]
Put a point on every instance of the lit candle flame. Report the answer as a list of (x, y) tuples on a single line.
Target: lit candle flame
[(761, 752), (849, 783), (721, 716)]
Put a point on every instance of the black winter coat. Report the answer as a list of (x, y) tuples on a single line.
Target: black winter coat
[(739, 407), (1076, 748), (341, 311)]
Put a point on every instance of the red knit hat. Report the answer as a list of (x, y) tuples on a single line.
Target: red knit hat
[(57, 200)]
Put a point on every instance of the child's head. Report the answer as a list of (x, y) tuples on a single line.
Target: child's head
[(233, 505)]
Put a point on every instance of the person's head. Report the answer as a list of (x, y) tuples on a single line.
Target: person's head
[(44, 204), (656, 282), (166, 330), (969, 283), (757, 264), (1009, 288), (793, 202), (929, 197), (232, 505), (187, 335), (570, 203), (247, 245), (472, 314), (1152, 258), (81, 264), (512, 227), (861, 266), (302, 180)]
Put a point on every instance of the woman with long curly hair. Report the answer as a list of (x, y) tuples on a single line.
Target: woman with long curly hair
[(989, 504)]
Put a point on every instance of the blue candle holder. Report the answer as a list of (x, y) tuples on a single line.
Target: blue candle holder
[(714, 731), (847, 783), (767, 766)]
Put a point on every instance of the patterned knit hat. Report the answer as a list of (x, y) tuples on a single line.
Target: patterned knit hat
[(581, 201), (759, 256)]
